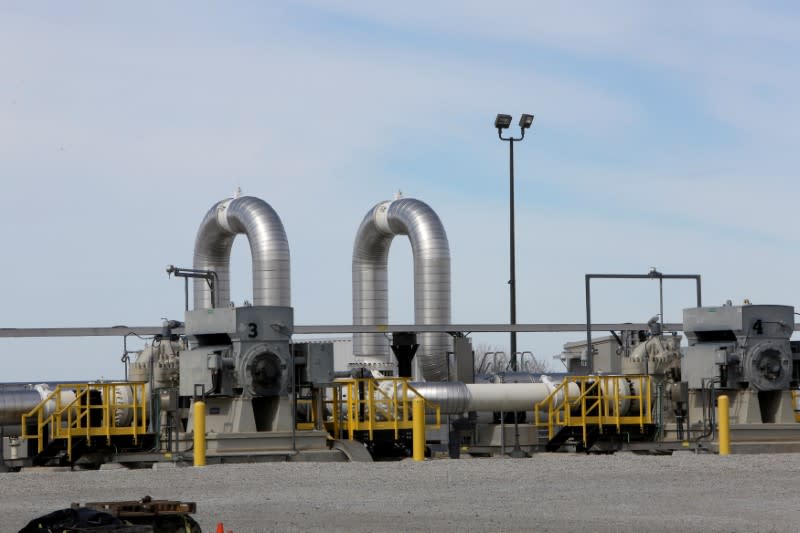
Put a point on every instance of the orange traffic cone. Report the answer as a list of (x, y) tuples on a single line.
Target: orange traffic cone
[(220, 528)]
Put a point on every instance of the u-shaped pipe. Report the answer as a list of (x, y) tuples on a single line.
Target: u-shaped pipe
[(268, 246), (431, 250)]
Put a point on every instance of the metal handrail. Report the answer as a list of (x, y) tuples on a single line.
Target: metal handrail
[(73, 418), (382, 409), (599, 395)]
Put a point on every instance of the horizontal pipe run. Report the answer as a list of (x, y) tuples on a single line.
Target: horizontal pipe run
[(456, 398), (15, 403), (507, 396), (327, 329), (478, 328)]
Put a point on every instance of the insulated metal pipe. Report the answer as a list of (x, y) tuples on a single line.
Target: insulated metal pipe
[(15, 403), (269, 248), (508, 397), (455, 397), (452, 397), (429, 244)]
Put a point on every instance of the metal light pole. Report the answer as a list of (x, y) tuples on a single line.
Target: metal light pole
[(503, 122)]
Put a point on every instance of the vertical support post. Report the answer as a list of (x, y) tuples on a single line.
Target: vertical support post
[(39, 430), (589, 321), (699, 291), (512, 282), (661, 301), (199, 421), (723, 415), (418, 428), (293, 384), (502, 433)]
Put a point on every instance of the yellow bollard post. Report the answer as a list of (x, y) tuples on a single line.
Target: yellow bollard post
[(723, 415), (418, 428), (199, 433)]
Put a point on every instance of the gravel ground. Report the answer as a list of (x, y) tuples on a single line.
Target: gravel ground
[(549, 492)]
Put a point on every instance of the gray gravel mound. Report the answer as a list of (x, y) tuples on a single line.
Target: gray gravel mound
[(548, 492)]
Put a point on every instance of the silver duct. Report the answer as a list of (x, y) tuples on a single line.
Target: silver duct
[(455, 397), (452, 397), (16, 400), (404, 216), (15, 403), (268, 246)]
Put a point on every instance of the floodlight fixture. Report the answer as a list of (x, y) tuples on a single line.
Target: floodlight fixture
[(502, 121)]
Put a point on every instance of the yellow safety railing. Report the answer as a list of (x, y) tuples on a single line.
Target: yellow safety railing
[(588, 401), (87, 410), (374, 404)]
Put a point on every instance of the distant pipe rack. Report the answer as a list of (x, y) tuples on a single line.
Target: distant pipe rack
[(121, 331)]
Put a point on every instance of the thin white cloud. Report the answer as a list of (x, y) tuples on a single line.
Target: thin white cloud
[(738, 55)]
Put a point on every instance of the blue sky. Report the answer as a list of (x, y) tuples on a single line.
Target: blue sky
[(665, 136)]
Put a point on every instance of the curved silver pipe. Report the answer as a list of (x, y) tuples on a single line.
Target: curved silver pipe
[(404, 216), (268, 246)]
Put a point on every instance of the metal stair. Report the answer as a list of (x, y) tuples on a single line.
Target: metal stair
[(76, 418), (590, 410)]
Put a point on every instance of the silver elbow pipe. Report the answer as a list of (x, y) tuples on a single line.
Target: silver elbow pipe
[(269, 248), (404, 216)]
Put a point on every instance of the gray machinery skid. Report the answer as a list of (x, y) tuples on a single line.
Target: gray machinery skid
[(239, 358), (742, 351), (743, 346), (745, 351)]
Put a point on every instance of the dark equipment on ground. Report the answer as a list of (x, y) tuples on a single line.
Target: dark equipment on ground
[(141, 516)]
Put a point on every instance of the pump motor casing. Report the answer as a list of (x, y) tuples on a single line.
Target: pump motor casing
[(744, 346), (238, 351)]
